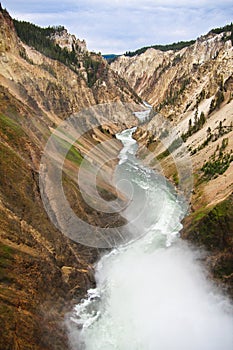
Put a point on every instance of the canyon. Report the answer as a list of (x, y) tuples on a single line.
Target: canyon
[(42, 272)]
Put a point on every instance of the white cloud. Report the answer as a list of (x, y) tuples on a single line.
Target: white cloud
[(121, 25)]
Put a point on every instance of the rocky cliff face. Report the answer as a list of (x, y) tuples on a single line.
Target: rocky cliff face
[(158, 76), (184, 86), (192, 89), (42, 271), (69, 41)]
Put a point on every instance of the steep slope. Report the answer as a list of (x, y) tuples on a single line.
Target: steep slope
[(161, 77), (26, 72), (41, 271), (192, 89)]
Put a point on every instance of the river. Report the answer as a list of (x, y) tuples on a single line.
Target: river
[(152, 294)]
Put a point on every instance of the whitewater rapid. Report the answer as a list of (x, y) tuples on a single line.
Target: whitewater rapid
[(152, 294)]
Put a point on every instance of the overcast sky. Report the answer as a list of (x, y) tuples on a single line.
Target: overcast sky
[(116, 26)]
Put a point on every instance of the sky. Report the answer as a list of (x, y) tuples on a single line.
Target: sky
[(117, 26)]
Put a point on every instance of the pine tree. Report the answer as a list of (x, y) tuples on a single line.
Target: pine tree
[(202, 119)]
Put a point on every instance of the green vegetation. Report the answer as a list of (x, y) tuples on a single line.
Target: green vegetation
[(216, 101), (92, 68), (212, 227), (173, 146), (49, 69), (39, 38), (9, 126), (221, 130), (163, 155), (24, 55), (72, 153), (225, 29), (194, 127), (175, 47), (6, 256), (105, 130), (173, 94), (175, 178), (10, 130), (219, 162), (105, 194), (218, 166), (74, 156)]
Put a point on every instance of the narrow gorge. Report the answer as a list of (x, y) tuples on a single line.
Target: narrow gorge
[(142, 149)]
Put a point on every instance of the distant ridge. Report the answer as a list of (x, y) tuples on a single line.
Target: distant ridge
[(175, 47), (180, 44), (110, 57)]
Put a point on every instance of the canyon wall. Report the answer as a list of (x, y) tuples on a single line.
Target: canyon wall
[(42, 272), (191, 91)]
